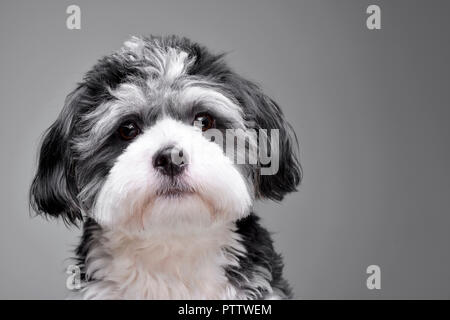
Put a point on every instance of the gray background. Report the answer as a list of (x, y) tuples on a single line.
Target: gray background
[(371, 109)]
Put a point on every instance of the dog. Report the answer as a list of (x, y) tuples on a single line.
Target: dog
[(167, 213)]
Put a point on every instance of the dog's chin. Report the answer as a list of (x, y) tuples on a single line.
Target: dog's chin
[(174, 207)]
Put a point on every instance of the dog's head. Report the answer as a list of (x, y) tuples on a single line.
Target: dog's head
[(163, 133)]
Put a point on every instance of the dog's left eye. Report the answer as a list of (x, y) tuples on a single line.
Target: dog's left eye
[(204, 121), (128, 130)]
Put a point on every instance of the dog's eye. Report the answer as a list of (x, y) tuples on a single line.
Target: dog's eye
[(128, 130), (204, 121)]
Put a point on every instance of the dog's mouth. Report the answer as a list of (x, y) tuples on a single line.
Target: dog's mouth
[(173, 193), (174, 190)]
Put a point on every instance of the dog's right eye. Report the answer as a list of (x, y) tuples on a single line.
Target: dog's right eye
[(128, 130)]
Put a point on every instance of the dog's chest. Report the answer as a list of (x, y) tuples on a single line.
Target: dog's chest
[(185, 267)]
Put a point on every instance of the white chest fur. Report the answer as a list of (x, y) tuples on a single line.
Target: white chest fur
[(162, 265)]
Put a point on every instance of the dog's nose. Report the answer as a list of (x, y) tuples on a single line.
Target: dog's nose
[(170, 161)]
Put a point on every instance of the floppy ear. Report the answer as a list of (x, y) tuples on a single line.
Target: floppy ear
[(264, 113), (53, 191)]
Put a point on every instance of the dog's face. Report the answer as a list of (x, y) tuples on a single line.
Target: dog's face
[(142, 142)]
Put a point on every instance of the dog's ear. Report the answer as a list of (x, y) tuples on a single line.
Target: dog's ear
[(53, 191), (261, 112)]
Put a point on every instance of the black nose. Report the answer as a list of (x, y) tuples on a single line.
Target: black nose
[(170, 161)]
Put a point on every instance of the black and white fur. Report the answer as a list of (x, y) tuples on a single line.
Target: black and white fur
[(147, 236)]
